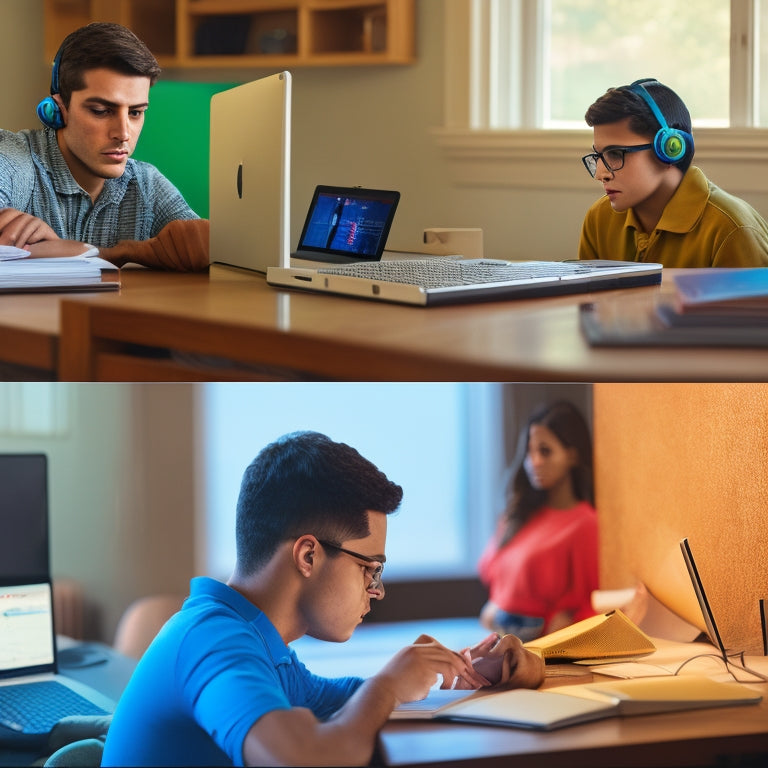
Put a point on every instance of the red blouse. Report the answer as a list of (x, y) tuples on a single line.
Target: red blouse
[(551, 565)]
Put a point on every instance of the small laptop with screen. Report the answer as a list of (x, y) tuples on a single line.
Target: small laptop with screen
[(442, 280), (347, 224)]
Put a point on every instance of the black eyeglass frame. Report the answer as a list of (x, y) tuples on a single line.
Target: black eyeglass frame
[(593, 157), (376, 572)]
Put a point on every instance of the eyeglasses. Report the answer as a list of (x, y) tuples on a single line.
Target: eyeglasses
[(373, 571), (612, 157)]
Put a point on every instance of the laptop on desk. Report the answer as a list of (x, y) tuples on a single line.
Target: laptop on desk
[(250, 157), (33, 696), (250, 191), (345, 225), (441, 280)]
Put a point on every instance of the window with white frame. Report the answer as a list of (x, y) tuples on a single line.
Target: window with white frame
[(520, 74), (442, 442), (538, 64)]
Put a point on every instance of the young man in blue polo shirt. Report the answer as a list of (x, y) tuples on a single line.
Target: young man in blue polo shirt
[(219, 684), (74, 182), (658, 207)]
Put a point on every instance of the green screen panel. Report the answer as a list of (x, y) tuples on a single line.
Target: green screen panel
[(176, 136)]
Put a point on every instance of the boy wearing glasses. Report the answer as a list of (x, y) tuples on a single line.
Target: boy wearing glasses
[(657, 207), (220, 684)]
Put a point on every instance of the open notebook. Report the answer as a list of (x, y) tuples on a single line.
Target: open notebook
[(572, 704)]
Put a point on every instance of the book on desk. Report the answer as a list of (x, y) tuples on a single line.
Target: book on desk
[(716, 307)]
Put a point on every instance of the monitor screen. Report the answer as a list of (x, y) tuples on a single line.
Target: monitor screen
[(23, 516)]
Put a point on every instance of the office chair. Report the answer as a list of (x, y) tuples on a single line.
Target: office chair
[(142, 620)]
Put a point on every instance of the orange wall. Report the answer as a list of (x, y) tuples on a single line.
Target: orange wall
[(676, 460)]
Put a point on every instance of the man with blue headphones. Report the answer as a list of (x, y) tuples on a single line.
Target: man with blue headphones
[(658, 207), (73, 182)]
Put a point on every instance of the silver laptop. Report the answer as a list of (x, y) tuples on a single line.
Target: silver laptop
[(437, 280), (250, 169)]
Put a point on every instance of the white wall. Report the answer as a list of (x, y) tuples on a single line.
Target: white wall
[(121, 489)]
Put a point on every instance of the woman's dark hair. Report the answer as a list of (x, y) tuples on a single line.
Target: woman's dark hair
[(569, 426), (306, 483), (620, 103), (102, 45)]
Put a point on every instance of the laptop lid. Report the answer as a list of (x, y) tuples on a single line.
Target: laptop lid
[(250, 174), (347, 224), (706, 610)]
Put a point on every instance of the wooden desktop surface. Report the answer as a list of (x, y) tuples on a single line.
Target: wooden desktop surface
[(256, 331), (708, 737)]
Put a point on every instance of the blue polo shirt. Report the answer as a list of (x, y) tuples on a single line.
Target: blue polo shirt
[(213, 670)]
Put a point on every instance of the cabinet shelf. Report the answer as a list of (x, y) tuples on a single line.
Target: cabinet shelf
[(251, 33)]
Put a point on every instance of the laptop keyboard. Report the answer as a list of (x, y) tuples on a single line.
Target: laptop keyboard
[(37, 707), (446, 273)]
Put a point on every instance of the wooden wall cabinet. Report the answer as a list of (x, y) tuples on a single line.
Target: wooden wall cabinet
[(251, 33)]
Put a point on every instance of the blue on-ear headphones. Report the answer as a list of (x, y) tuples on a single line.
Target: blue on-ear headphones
[(48, 111), (669, 144)]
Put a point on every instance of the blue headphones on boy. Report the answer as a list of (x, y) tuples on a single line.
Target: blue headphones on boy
[(669, 144), (48, 110)]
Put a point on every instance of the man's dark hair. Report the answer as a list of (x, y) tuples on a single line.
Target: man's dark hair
[(102, 45), (304, 483), (620, 103)]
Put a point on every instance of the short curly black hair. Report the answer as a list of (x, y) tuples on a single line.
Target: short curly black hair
[(302, 483)]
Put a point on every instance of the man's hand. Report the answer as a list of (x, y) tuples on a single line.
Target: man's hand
[(505, 662), (414, 670), (22, 229), (181, 246)]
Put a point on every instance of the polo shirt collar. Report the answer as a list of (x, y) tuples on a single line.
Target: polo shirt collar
[(685, 207), (203, 586)]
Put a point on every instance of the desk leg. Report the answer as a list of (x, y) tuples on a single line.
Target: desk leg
[(76, 345)]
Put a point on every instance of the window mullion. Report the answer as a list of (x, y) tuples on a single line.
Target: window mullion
[(743, 63)]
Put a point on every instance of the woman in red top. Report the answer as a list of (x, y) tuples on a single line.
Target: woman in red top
[(542, 564)]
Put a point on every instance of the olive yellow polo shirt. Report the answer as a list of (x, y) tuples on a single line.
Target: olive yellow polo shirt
[(702, 226)]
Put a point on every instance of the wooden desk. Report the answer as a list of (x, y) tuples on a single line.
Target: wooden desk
[(723, 736), (30, 323), (269, 333), (257, 332)]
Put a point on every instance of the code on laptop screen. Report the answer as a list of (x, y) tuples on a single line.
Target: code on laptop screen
[(348, 224)]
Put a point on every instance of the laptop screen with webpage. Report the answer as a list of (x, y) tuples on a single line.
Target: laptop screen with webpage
[(26, 629), (348, 221)]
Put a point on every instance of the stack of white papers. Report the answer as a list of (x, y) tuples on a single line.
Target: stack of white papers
[(66, 273)]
